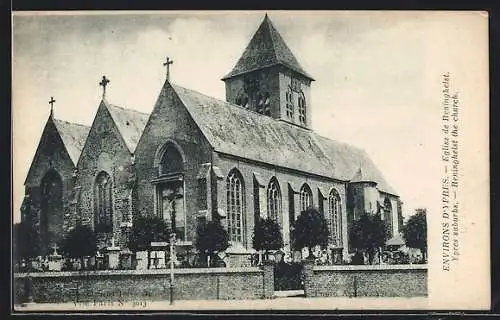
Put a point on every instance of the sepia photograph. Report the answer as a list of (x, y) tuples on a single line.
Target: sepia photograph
[(250, 160)]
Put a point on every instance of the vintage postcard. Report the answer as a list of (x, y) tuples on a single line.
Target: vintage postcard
[(250, 160)]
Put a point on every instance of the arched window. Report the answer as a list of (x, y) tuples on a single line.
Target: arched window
[(333, 217), (235, 205), (289, 103), (51, 217), (302, 108), (388, 213), (274, 200), (171, 160), (305, 197), (103, 203)]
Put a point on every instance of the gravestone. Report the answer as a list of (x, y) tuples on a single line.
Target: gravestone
[(158, 256), (113, 254), (157, 260), (99, 261), (141, 257), (55, 260), (126, 259)]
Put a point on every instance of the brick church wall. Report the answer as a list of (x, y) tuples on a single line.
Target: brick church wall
[(320, 188), (51, 155), (104, 151), (170, 121)]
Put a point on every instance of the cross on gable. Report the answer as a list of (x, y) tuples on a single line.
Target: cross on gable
[(51, 102), (167, 64), (104, 82), (55, 247)]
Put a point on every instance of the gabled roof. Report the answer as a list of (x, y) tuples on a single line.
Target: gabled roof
[(130, 124), (233, 130), (73, 136), (267, 48)]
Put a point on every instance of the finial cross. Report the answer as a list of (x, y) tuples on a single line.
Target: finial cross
[(55, 247), (104, 82), (167, 64), (51, 102)]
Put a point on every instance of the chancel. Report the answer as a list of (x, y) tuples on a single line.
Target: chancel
[(196, 158)]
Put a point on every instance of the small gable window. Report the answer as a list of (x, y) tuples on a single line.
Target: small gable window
[(289, 104), (302, 108), (242, 100)]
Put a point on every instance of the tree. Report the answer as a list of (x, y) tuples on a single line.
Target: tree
[(310, 229), (25, 241), (267, 235), (80, 242), (415, 232), (368, 234), (211, 238), (147, 229)]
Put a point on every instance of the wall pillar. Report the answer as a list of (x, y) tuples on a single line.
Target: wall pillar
[(308, 279), (268, 281)]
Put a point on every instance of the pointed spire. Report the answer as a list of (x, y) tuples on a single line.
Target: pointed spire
[(266, 48)]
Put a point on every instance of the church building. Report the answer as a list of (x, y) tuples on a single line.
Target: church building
[(196, 158)]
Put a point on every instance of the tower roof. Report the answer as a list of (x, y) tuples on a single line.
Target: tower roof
[(267, 48)]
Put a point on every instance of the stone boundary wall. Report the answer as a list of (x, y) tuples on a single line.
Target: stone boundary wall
[(115, 286), (365, 281)]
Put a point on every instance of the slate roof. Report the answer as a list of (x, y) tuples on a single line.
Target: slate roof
[(267, 48), (73, 136), (233, 130), (130, 124)]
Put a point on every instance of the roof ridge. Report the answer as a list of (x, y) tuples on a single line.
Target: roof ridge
[(72, 123), (125, 109)]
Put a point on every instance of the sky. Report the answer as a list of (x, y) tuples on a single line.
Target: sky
[(373, 88)]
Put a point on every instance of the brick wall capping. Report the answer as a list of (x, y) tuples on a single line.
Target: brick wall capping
[(374, 267), (57, 274)]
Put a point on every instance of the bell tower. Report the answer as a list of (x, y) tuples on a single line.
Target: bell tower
[(269, 80)]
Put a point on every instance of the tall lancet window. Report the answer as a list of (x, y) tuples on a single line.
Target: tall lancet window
[(333, 217), (274, 200), (302, 108), (235, 205), (289, 103), (305, 197), (103, 203)]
